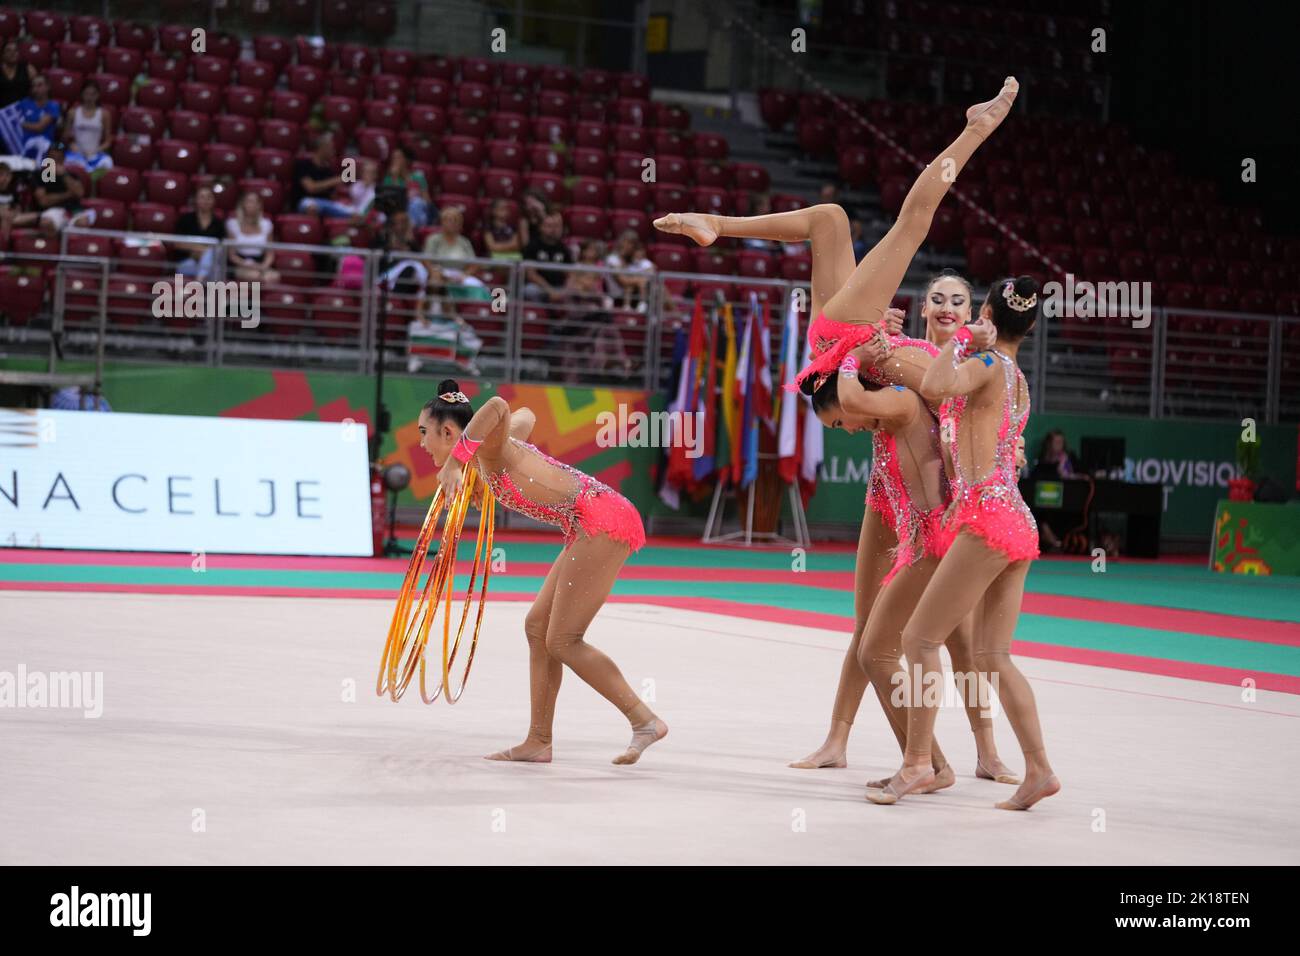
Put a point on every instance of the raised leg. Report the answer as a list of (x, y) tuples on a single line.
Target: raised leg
[(867, 293), (826, 226)]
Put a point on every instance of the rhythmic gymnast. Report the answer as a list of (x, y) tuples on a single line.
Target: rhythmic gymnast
[(601, 529), (988, 539), (846, 299)]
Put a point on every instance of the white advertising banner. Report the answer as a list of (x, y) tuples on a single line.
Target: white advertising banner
[(104, 480)]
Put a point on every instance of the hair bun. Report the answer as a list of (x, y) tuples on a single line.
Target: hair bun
[(448, 385), (1026, 286)]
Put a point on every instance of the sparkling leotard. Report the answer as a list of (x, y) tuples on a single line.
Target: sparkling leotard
[(992, 506), (571, 499), (887, 493)]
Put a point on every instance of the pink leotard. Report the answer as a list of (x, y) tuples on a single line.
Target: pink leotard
[(571, 499), (916, 528), (991, 506)]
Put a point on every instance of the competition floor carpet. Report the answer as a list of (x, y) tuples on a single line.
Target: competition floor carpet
[(239, 721)]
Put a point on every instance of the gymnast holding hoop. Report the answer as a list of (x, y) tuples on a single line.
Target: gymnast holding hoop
[(601, 529)]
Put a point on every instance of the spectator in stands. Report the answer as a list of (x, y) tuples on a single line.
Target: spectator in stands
[(448, 242), (502, 234), (315, 178), (361, 194), (535, 208), (587, 343), (547, 245), (1054, 461), (631, 286), (59, 200), (40, 119), (16, 74), (13, 211), (248, 232), (401, 176), (204, 223), (1054, 454), (585, 288), (399, 233), (90, 131)]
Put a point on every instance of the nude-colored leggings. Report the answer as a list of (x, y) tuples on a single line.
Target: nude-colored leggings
[(575, 588), (969, 572)]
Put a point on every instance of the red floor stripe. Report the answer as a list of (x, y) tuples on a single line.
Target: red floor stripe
[(1147, 665)]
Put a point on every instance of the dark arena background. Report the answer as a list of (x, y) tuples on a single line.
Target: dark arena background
[(243, 243)]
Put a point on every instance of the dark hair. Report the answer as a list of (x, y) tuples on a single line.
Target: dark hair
[(440, 411), (828, 395), (90, 84), (1011, 323), (949, 274)]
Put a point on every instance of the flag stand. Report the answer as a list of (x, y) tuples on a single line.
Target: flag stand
[(746, 535)]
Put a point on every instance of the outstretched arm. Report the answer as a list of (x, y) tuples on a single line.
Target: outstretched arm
[(892, 405), (951, 373), (485, 434)]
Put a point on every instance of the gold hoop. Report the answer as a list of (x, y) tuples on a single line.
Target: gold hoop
[(408, 632)]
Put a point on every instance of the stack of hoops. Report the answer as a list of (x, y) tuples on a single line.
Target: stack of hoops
[(408, 633)]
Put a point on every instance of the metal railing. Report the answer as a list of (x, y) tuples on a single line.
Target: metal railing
[(585, 325)]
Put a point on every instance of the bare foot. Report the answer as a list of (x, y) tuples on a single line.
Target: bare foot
[(943, 779), (1030, 792), (907, 780), (648, 733), (530, 751), (983, 118), (825, 756), (994, 769), (698, 226)]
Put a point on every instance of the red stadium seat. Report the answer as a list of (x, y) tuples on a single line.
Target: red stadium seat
[(585, 222), (121, 183), (505, 154), (236, 130), (590, 162), (271, 163), (140, 258), (166, 187), (121, 61), (114, 91), (130, 152), (629, 194), (110, 214), (245, 101), (225, 159), (290, 106), (77, 57), (375, 143), (341, 110), (306, 79), (382, 114), (280, 135), (142, 121), (272, 50), (301, 229), (549, 185), (347, 84), (152, 217), (179, 156), (214, 70), (200, 97), (256, 74), (87, 29)]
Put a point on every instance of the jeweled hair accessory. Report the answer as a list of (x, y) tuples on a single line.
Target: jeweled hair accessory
[(1018, 302), (455, 397)]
